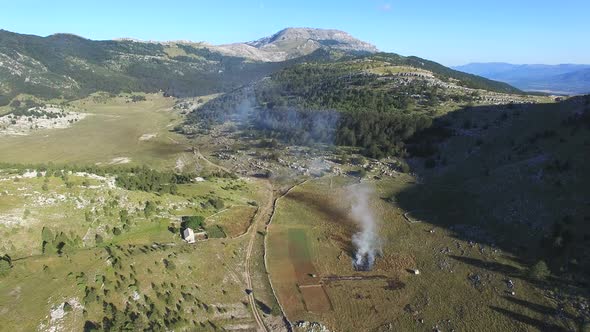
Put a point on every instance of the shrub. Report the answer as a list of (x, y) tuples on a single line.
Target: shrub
[(5, 267), (217, 202), (358, 160), (137, 98), (362, 173), (124, 216), (194, 222), (169, 264), (150, 208), (91, 327), (404, 167), (539, 271)]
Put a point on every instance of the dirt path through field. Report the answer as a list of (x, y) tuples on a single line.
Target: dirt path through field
[(259, 219), (274, 207), (263, 219), (209, 162)]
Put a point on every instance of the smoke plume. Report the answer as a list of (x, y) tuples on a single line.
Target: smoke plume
[(366, 241)]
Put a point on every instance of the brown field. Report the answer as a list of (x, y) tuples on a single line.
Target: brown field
[(310, 251), (316, 299), (314, 296), (285, 282)]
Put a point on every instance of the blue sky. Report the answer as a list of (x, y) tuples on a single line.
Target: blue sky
[(451, 32)]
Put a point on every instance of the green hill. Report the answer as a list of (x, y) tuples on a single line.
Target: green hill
[(374, 102), (68, 66)]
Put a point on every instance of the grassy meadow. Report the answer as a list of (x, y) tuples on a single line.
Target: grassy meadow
[(108, 260), (137, 263), (116, 130)]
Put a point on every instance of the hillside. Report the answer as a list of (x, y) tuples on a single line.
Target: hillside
[(330, 101), (520, 178), (577, 82), (564, 78), (68, 66)]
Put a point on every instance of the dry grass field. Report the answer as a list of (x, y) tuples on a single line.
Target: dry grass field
[(114, 131), (461, 285)]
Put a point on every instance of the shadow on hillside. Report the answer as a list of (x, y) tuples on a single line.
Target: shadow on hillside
[(505, 269), (446, 196), (541, 309), (454, 184), (464, 163), (538, 324)]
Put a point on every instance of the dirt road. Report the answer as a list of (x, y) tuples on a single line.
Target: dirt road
[(263, 216), (260, 218)]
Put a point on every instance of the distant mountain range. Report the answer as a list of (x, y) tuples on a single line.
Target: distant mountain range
[(561, 79)]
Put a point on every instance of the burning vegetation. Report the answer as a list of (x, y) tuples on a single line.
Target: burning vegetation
[(366, 241)]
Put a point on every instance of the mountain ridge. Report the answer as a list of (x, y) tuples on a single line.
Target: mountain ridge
[(69, 66), (285, 44)]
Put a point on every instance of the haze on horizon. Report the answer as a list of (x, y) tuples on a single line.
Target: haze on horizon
[(452, 32)]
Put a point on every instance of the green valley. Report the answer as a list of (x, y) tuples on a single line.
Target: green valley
[(301, 182)]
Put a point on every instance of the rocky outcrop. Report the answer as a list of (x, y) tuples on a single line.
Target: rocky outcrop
[(327, 37)]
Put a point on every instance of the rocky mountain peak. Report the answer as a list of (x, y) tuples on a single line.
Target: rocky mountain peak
[(310, 37)]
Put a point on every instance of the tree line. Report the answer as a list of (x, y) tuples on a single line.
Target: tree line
[(377, 132), (131, 178)]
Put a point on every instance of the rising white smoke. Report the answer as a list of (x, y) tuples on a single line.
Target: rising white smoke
[(366, 241)]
